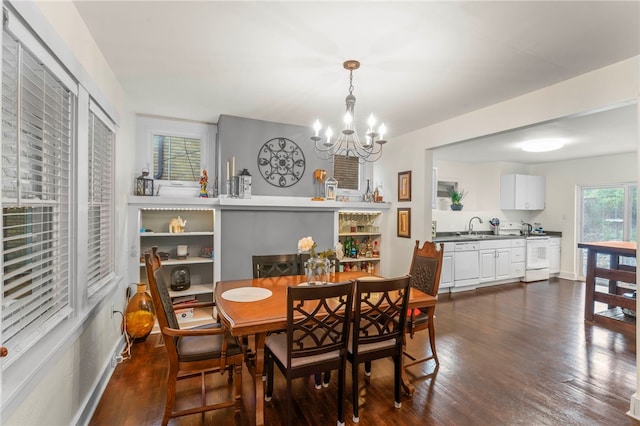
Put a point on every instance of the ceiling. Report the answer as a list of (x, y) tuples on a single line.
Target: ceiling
[(422, 62)]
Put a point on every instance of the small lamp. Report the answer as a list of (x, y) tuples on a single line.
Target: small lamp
[(144, 185)]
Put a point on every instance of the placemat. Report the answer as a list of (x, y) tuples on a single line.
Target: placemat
[(246, 294)]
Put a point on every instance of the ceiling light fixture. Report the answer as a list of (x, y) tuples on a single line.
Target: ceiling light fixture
[(348, 143), (542, 145)]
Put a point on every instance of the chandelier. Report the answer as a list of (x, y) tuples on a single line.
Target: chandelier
[(348, 143)]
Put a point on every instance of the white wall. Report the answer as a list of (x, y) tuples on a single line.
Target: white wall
[(63, 390), (607, 86)]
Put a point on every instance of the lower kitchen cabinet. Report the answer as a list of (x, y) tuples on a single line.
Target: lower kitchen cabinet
[(446, 275), (495, 260), (518, 258)]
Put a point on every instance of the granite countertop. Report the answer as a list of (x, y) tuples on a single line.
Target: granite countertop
[(483, 236)]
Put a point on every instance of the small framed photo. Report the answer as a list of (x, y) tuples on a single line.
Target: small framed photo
[(404, 186), (404, 223), (330, 191)]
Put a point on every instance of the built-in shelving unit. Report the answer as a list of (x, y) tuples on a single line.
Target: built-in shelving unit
[(198, 237), (360, 236)]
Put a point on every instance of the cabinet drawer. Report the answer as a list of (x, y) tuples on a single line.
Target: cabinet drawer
[(517, 270), (518, 254), (518, 242)]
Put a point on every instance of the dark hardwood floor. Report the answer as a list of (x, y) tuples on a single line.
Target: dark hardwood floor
[(518, 354)]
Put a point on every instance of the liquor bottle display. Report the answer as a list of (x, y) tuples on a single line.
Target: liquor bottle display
[(359, 234)]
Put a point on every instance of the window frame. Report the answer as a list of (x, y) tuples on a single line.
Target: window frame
[(46, 158), (628, 188), (148, 126), (36, 363), (105, 263), (365, 171)]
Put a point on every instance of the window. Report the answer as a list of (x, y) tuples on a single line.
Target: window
[(346, 170), (607, 213), (100, 207), (176, 158), (38, 112)]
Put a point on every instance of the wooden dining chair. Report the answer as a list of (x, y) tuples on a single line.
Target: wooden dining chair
[(197, 351), (379, 321), (426, 266), (318, 319), (276, 265)]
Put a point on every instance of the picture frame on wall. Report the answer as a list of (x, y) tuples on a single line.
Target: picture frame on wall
[(404, 222), (404, 186)]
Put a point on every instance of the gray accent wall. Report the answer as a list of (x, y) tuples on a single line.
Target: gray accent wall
[(243, 137), (245, 233)]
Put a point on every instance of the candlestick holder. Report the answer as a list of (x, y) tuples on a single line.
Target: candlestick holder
[(227, 185)]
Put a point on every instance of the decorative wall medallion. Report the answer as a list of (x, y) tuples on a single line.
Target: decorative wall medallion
[(281, 162)]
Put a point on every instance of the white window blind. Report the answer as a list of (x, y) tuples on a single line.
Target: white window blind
[(37, 120), (100, 209)]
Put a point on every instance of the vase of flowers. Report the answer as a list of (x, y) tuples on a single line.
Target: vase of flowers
[(318, 267)]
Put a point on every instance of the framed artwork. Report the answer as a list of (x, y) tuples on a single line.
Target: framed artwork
[(330, 190), (404, 223), (404, 186)]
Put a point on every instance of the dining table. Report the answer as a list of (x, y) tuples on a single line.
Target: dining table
[(257, 306)]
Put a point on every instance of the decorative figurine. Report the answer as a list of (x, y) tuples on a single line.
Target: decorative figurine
[(176, 225), (204, 180)]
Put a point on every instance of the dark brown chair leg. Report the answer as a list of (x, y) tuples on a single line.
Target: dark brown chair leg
[(432, 337), (172, 378)]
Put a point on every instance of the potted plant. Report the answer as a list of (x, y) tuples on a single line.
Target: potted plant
[(456, 198)]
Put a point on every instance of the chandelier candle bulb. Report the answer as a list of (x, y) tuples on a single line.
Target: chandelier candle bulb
[(317, 127)]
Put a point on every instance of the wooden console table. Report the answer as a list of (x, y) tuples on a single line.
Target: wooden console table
[(616, 272)]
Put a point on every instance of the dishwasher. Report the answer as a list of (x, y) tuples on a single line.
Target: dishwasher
[(466, 265)]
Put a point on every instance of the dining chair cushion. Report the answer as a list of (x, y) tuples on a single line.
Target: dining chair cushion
[(196, 348), (363, 348), (277, 344)]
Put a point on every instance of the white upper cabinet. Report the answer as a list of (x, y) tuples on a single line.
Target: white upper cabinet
[(522, 192)]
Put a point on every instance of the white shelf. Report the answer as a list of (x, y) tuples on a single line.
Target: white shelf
[(175, 234), (201, 316), (193, 290), (187, 261), (356, 234), (359, 259)]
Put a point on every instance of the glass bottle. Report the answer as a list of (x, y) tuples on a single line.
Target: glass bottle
[(139, 315)]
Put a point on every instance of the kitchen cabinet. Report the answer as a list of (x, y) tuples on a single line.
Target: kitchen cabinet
[(197, 266), (554, 255), (495, 260), (518, 258), (522, 192), (446, 274), (359, 233)]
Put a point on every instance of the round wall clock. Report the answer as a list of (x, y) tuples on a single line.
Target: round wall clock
[(281, 162)]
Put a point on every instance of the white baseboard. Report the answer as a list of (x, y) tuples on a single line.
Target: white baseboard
[(634, 410)]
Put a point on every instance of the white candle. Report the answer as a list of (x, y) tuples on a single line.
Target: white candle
[(227, 169), (233, 166)]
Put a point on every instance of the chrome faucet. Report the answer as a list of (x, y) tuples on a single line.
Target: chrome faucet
[(471, 225)]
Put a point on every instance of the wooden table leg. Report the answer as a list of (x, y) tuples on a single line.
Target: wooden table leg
[(257, 376), (590, 284)]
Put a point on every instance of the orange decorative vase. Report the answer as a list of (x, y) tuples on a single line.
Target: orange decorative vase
[(140, 315)]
